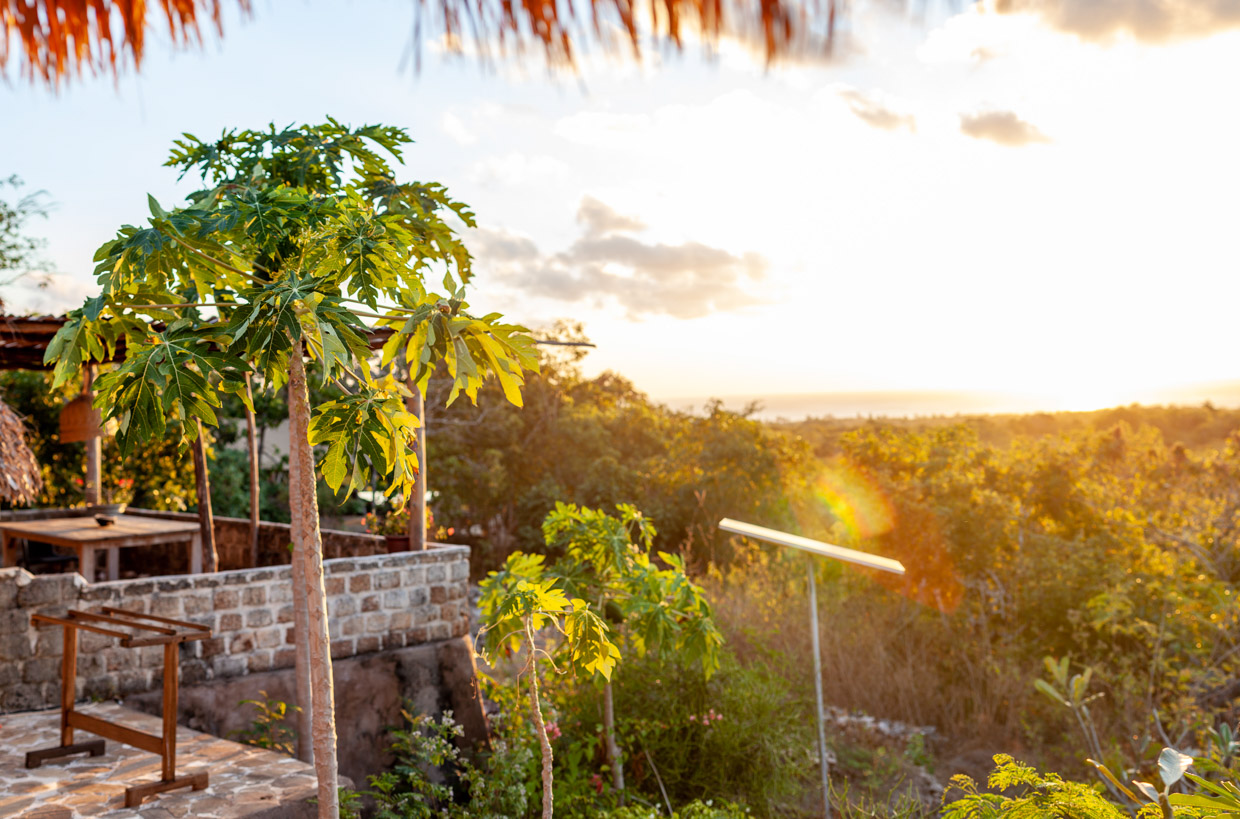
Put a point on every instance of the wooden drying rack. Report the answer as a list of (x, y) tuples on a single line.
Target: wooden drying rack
[(152, 631)]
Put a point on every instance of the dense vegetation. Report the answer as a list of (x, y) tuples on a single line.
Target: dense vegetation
[(1105, 541)]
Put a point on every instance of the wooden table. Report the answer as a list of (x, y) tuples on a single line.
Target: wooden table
[(87, 537)]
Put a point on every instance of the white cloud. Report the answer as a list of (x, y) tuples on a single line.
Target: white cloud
[(1151, 21), (516, 169), (607, 265), (876, 112), (1003, 127), (452, 125)]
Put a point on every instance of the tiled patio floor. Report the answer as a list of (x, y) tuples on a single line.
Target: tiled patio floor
[(245, 781)]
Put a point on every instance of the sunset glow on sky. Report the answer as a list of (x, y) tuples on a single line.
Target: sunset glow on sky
[(1031, 202)]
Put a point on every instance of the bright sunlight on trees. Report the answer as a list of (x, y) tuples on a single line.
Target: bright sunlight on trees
[(298, 229)]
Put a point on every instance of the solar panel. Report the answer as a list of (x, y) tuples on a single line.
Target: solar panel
[(817, 547)]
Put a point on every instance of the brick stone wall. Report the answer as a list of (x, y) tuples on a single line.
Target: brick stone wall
[(374, 603)]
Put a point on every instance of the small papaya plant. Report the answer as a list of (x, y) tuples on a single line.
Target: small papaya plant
[(520, 601), (606, 589), (607, 562)]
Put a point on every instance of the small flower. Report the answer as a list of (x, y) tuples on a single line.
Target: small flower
[(597, 782), (693, 718), (553, 730)]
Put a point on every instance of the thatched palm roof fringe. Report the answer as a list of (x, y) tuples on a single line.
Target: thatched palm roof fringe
[(58, 39), (20, 478)]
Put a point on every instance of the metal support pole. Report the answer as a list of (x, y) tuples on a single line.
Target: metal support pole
[(822, 716)]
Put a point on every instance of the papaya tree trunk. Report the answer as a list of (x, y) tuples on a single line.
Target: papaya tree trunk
[(301, 638), (543, 742), (308, 552), (202, 489), (252, 447), (613, 749)]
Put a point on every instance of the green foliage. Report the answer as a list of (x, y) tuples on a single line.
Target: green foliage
[(521, 599), (269, 729), (294, 226), (607, 561), (1221, 799), (744, 734), (408, 791), (19, 253), (1042, 795), (697, 809), (598, 442)]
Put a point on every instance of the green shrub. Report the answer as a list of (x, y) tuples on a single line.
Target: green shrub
[(1043, 795), (742, 735), (697, 809)]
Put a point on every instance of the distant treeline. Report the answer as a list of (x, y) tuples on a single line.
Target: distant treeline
[(1201, 427)]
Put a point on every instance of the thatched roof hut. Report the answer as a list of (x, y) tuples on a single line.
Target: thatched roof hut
[(20, 478)]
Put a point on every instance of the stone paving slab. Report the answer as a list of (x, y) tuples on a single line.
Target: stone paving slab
[(245, 781)]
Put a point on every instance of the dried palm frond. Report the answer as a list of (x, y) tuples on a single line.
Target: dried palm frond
[(20, 478), (61, 38)]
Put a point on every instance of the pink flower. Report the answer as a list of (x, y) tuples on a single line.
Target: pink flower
[(553, 731), (692, 718), (597, 782)]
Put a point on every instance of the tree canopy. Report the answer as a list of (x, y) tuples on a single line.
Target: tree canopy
[(298, 225)]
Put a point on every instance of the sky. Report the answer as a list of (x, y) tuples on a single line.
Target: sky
[(1033, 198)]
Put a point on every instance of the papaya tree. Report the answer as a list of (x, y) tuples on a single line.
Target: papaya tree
[(520, 601), (299, 236), (606, 591), (607, 561)]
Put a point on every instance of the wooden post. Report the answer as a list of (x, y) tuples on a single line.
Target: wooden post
[(251, 435), (417, 501), (94, 448), (206, 520), (172, 669), (68, 682)]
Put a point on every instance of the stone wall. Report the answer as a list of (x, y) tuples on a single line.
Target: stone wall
[(374, 603)]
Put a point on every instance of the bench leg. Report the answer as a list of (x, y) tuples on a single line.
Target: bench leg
[(94, 747), (134, 794)]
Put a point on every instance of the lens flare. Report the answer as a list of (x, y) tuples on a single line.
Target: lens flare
[(850, 507), (855, 500)]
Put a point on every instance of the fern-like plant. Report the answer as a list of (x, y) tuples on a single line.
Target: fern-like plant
[(1042, 795)]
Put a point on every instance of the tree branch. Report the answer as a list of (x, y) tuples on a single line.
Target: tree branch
[(184, 305), (381, 307)]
